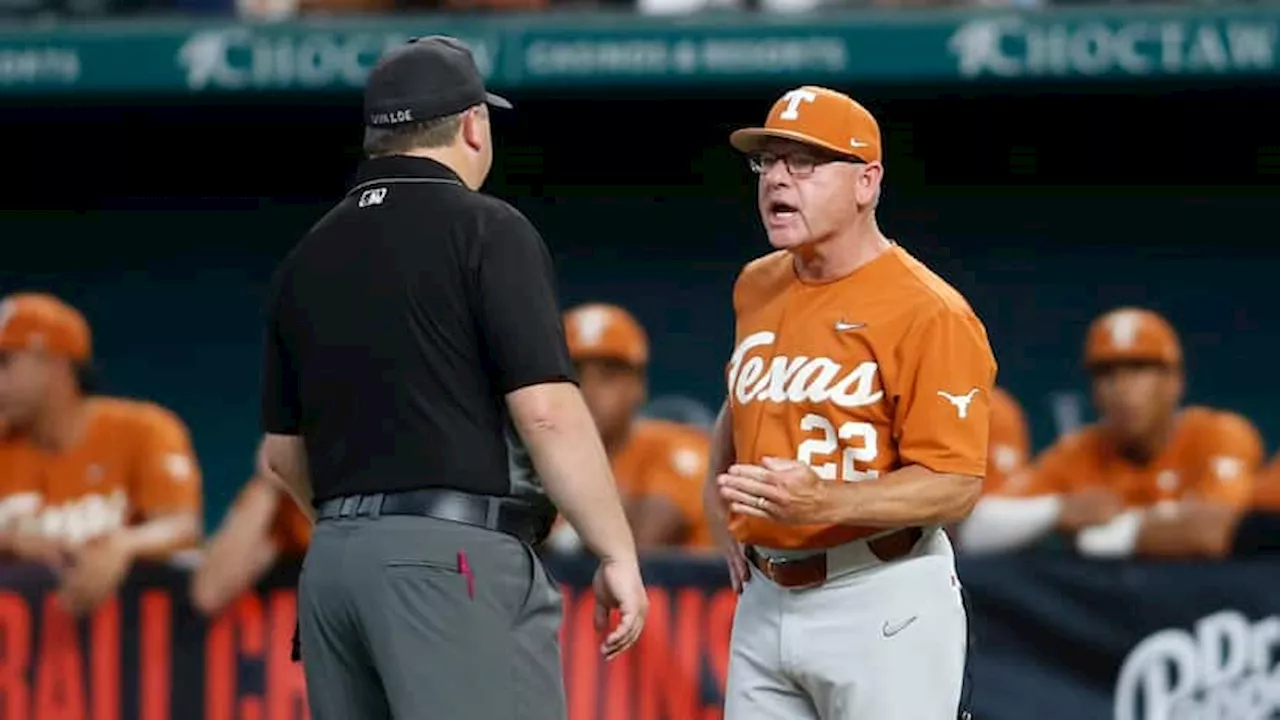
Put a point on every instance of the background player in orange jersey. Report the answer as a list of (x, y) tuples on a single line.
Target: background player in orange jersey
[(1009, 449), (856, 427), (1126, 484), (1201, 529), (263, 525), (1266, 491), (1010, 441), (89, 484), (659, 465)]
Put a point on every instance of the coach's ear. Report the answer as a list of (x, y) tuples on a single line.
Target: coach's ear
[(867, 187)]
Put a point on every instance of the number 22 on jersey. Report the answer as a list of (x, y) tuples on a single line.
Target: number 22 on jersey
[(860, 445)]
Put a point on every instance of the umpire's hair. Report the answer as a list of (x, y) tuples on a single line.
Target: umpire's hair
[(399, 139)]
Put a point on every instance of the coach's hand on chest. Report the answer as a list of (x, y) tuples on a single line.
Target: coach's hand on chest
[(782, 490)]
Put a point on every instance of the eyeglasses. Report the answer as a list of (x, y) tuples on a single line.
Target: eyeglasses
[(799, 164)]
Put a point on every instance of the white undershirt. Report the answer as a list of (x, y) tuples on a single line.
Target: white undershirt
[(1001, 524), (1116, 539)]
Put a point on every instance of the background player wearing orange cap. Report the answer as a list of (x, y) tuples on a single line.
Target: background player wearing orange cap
[(263, 525), (856, 427), (659, 465), (1123, 485), (89, 484)]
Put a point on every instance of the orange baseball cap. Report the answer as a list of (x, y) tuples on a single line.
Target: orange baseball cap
[(1131, 334), (817, 116), (598, 331), (36, 321)]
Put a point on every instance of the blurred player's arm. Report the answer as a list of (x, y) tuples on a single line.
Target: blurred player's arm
[(165, 487), (943, 422), (1056, 493), (242, 549), (19, 536), (1203, 524), (1003, 524), (23, 538)]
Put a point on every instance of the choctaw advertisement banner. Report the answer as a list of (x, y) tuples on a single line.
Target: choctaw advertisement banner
[(1055, 638)]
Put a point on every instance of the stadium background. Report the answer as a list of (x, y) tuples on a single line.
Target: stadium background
[(162, 210), (1046, 204)]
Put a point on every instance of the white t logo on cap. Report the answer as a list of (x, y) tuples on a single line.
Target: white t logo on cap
[(794, 98), (590, 324), (1124, 329)]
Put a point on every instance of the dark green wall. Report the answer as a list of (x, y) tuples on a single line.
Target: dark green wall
[(163, 222)]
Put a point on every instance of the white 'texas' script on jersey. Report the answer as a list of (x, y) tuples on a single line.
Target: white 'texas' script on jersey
[(75, 521), (798, 379)]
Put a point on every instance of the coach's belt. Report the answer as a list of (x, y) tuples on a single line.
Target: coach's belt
[(816, 569), (523, 520)]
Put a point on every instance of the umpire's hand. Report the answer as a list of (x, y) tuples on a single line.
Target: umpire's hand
[(618, 587)]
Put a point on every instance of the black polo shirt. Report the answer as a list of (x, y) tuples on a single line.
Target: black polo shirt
[(396, 328)]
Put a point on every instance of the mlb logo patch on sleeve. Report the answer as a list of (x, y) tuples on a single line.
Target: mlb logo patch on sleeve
[(372, 196)]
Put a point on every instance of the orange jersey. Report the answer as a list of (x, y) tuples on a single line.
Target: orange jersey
[(1213, 456), (135, 460), (884, 368), (1010, 442), (1266, 491), (667, 460)]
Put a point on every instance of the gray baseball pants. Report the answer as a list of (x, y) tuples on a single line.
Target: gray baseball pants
[(413, 618)]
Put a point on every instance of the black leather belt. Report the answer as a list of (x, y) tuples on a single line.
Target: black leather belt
[(524, 520)]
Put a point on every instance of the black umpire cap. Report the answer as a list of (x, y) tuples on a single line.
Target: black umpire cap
[(424, 79)]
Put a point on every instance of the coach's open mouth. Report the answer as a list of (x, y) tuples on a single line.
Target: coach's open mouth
[(781, 210)]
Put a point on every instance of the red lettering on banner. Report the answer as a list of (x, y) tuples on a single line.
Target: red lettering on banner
[(670, 661), (59, 666), (581, 655), (720, 609), (105, 664), (15, 643), (286, 685), (583, 661), (617, 688), (155, 655), (53, 673), (219, 669), (659, 679), (222, 660), (250, 619)]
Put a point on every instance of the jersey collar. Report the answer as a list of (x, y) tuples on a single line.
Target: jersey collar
[(397, 167)]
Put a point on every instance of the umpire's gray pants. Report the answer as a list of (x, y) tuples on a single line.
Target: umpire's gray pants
[(393, 625)]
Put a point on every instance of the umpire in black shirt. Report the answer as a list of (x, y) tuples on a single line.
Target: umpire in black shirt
[(414, 350)]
